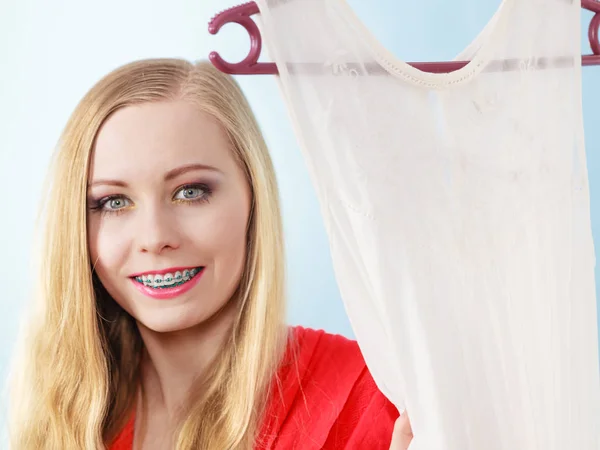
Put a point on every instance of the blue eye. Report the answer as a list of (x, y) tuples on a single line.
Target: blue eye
[(193, 192), (116, 203), (112, 204)]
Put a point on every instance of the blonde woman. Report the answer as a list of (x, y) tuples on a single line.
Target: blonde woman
[(160, 322)]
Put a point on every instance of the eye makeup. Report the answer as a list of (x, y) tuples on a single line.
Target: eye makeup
[(188, 194)]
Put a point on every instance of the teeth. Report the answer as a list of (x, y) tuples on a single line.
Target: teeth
[(168, 280)]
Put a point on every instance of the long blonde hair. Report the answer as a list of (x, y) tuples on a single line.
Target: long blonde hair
[(78, 372)]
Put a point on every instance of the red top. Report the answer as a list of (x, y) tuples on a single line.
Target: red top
[(327, 400)]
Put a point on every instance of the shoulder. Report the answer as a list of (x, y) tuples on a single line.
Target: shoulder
[(316, 345), (326, 396)]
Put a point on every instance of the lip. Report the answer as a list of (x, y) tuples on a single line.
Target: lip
[(163, 271), (168, 293)]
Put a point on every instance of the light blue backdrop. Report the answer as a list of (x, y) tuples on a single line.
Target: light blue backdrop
[(52, 52)]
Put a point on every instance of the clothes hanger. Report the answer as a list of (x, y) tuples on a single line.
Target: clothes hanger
[(241, 15)]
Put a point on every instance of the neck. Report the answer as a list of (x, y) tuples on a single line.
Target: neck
[(172, 363)]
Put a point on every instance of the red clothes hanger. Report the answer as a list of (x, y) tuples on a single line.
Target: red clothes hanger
[(250, 66)]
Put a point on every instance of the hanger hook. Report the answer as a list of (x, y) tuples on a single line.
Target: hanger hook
[(249, 65), (593, 6)]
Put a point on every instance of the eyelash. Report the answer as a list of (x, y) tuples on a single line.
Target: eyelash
[(98, 205)]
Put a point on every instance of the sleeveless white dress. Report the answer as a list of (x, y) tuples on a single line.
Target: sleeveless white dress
[(457, 210)]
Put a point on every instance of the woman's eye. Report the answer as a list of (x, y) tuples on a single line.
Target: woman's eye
[(114, 204), (190, 193)]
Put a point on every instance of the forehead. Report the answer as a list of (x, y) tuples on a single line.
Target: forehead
[(152, 138)]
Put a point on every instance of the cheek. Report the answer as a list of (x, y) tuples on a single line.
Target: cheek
[(107, 247), (228, 233), (221, 237), (232, 236)]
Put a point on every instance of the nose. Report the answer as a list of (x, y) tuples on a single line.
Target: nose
[(157, 231)]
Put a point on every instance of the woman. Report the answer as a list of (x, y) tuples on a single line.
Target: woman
[(161, 316)]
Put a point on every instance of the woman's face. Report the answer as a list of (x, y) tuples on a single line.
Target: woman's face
[(168, 208)]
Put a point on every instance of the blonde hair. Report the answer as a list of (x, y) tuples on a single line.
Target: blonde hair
[(78, 374)]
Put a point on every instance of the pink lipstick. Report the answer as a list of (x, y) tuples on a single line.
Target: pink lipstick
[(168, 283)]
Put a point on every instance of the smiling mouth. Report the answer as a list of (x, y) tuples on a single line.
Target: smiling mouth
[(169, 280)]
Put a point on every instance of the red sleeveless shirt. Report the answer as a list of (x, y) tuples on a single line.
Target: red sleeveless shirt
[(327, 400)]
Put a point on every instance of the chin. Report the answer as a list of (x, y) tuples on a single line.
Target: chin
[(173, 321), (167, 321), (165, 326)]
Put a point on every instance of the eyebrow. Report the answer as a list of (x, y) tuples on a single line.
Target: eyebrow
[(170, 175)]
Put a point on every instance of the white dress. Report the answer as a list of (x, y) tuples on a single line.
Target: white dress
[(457, 210)]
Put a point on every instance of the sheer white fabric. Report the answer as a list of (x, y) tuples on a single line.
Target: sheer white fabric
[(457, 209)]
